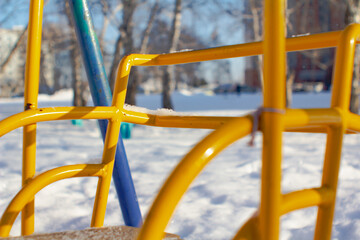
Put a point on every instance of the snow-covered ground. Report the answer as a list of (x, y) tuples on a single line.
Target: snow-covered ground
[(220, 200)]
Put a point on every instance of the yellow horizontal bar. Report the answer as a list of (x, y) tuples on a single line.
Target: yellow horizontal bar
[(54, 113), (314, 41), (297, 120), (306, 198), (38, 183), (353, 123), (307, 129), (175, 121)]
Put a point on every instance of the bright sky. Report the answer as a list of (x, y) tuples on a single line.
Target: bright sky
[(204, 21)]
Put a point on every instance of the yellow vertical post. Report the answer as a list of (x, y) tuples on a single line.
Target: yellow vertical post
[(272, 118), (340, 99), (111, 139), (32, 70)]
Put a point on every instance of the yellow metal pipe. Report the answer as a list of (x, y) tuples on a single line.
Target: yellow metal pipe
[(111, 139), (344, 64), (272, 119), (306, 198), (250, 230), (311, 117), (340, 99), (314, 41), (39, 182), (353, 122), (33, 53), (32, 69), (290, 202), (177, 121), (186, 171), (342, 79), (295, 119), (55, 113), (329, 180)]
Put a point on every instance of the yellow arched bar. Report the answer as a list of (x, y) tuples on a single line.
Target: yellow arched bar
[(38, 183), (186, 171)]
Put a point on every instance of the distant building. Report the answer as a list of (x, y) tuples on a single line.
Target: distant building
[(307, 17), (11, 77), (55, 68)]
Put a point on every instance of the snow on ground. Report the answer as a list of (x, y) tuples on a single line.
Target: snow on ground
[(220, 200)]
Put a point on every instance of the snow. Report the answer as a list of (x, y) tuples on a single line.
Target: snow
[(219, 201)]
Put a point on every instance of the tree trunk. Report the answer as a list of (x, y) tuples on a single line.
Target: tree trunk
[(77, 85), (146, 35), (134, 76), (124, 43), (76, 76), (166, 91), (289, 84), (352, 15), (257, 37), (168, 78), (115, 62)]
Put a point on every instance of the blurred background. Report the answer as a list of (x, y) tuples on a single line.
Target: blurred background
[(153, 26)]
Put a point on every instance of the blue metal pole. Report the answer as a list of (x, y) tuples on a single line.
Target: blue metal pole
[(101, 95)]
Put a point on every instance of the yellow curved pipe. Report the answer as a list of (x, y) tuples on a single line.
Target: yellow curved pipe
[(290, 202), (38, 183), (250, 230), (186, 171)]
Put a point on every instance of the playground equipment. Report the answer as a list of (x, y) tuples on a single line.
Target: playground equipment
[(274, 119)]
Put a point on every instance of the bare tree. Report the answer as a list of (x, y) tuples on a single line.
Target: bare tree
[(168, 77), (135, 77), (78, 86), (109, 12), (146, 34), (124, 43), (352, 15)]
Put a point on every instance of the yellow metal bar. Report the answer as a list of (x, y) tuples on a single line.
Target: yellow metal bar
[(295, 119), (272, 120), (32, 69), (342, 78), (290, 202), (56, 113), (177, 121), (250, 230), (112, 135), (111, 139), (186, 171), (353, 122), (306, 198), (315, 41), (344, 67), (39, 182)]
